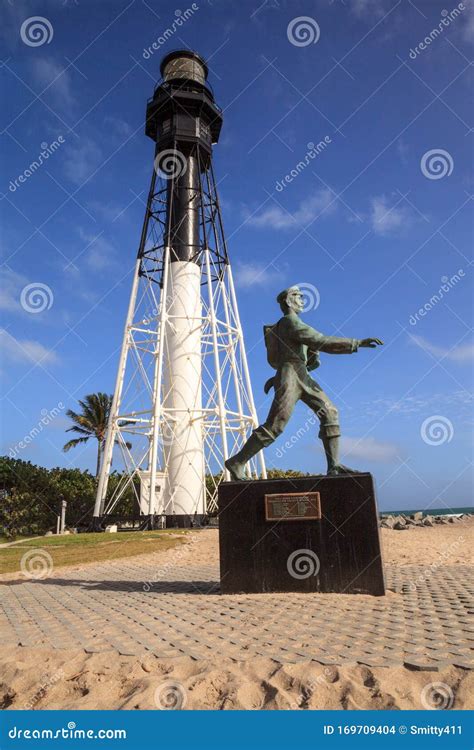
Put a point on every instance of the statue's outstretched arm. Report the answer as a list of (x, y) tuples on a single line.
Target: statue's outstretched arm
[(317, 341)]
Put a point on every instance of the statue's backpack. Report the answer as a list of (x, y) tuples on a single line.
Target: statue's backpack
[(275, 345), (272, 343)]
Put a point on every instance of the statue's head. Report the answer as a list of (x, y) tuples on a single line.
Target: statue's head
[(291, 300)]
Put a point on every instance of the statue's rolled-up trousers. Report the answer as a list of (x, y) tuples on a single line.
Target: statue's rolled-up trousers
[(293, 383)]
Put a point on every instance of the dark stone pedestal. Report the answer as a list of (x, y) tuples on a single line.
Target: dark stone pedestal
[(338, 551)]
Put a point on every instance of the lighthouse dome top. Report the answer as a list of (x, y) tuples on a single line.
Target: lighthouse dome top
[(184, 65)]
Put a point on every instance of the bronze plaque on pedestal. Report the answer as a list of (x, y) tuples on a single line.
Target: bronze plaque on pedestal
[(253, 561), (293, 506)]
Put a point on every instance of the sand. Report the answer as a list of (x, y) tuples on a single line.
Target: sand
[(42, 678), (75, 680), (452, 544)]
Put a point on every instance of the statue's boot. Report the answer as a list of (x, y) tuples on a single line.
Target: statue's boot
[(331, 448), (341, 469), (236, 464)]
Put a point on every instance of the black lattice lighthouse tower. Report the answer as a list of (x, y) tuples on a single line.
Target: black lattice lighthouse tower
[(183, 399)]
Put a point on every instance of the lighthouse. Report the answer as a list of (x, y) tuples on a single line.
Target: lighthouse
[(183, 398)]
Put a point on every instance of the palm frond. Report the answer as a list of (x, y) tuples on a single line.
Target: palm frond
[(73, 443), (80, 419), (80, 430), (92, 418)]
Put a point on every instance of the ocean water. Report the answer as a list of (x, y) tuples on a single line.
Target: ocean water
[(429, 512)]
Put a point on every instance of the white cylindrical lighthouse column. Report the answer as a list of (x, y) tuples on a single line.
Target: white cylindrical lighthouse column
[(182, 435)]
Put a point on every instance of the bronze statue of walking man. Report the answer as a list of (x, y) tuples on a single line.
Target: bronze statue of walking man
[(293, 350)]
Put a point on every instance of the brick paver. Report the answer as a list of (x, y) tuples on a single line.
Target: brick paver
[(423, 622)]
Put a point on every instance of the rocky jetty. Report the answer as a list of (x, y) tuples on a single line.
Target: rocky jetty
[(404, 522)]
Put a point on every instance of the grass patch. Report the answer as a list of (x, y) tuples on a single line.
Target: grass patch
[(75, 549)]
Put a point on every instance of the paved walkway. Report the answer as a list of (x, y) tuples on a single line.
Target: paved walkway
[(169, 604)]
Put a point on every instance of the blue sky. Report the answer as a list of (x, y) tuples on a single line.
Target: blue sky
[(375, 222)]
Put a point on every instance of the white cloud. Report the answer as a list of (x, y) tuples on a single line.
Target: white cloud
[(25, 350), (370, 9), (50, 74), (368, 448), (13, 15), (117, 126), (403, 151), (407, 405), (107, 209), (11, 284), (460, 353), (459, 402), (276, 217), (386, 219), (259, 15), (249, 275), (81, 159), (100, 252), (468, 21)]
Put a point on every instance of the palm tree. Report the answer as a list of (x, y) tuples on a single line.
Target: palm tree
[(91, 422)]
